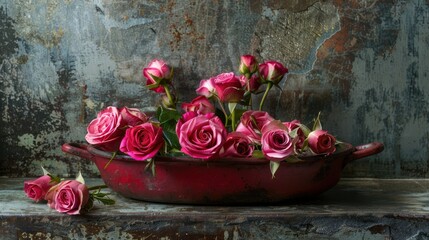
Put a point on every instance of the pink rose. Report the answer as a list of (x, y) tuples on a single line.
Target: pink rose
[(143, 141), (272, 71), (252, 122), (237, 145), (228, 87), (248, 65), (68, 197), (300, 134), (36, 189), (202, 136), (277, 145), (157, 72), (200, 105), (252, 84), (206, 88), (321, 141), (107, 130), (133, 116), (185, 117)]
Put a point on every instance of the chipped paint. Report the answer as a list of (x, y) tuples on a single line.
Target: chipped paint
[(27, 141), (110, 17), (399, 103)]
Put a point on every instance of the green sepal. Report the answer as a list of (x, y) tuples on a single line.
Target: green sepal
[(245, 71), (157, 79), (274, 166), (340, 146), (305, 145), (317, 124), (294, 133), (54, 179), (151, 165), (45, 172), (152, 86), (79, 178), (304, 129), (232, 106)]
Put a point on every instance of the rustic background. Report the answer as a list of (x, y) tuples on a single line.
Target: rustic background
[(363, 64)]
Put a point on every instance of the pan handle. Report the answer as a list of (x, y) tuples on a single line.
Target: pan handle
[(365, 150), (78, 149)]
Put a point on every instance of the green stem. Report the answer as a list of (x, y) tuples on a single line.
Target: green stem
[(269, 86), (170, 98), (248, 89), (233, 120), (223, 110), (97, 187), (250, 102), (111, 159)]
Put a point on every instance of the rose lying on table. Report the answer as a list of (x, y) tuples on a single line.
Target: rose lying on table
[(66, 196)]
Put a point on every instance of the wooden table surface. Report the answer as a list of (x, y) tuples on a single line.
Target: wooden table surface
[(372, 207)]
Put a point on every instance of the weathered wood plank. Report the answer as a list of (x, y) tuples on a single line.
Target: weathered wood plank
[(359, 208)]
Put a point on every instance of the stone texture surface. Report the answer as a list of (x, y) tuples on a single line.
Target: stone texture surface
[(363, 64), (354, 209)]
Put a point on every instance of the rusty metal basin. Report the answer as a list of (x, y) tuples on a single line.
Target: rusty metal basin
[(221, 181)]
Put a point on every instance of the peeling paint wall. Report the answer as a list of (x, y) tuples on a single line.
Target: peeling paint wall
[(363, 64)]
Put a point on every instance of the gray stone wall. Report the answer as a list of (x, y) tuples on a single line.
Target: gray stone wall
[(363, 64)]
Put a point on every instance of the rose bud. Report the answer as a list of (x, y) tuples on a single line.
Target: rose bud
[(254, 84), (36, 189), (321, 141), (107, 130), (157, 73), (248, 65), (200, 105), (166, 102), (69, 197), (228, 87), (237, 144), (142, 141), (133, 116), (272, 71)]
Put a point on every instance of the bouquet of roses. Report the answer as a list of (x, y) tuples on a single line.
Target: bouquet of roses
[(220, 122)]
